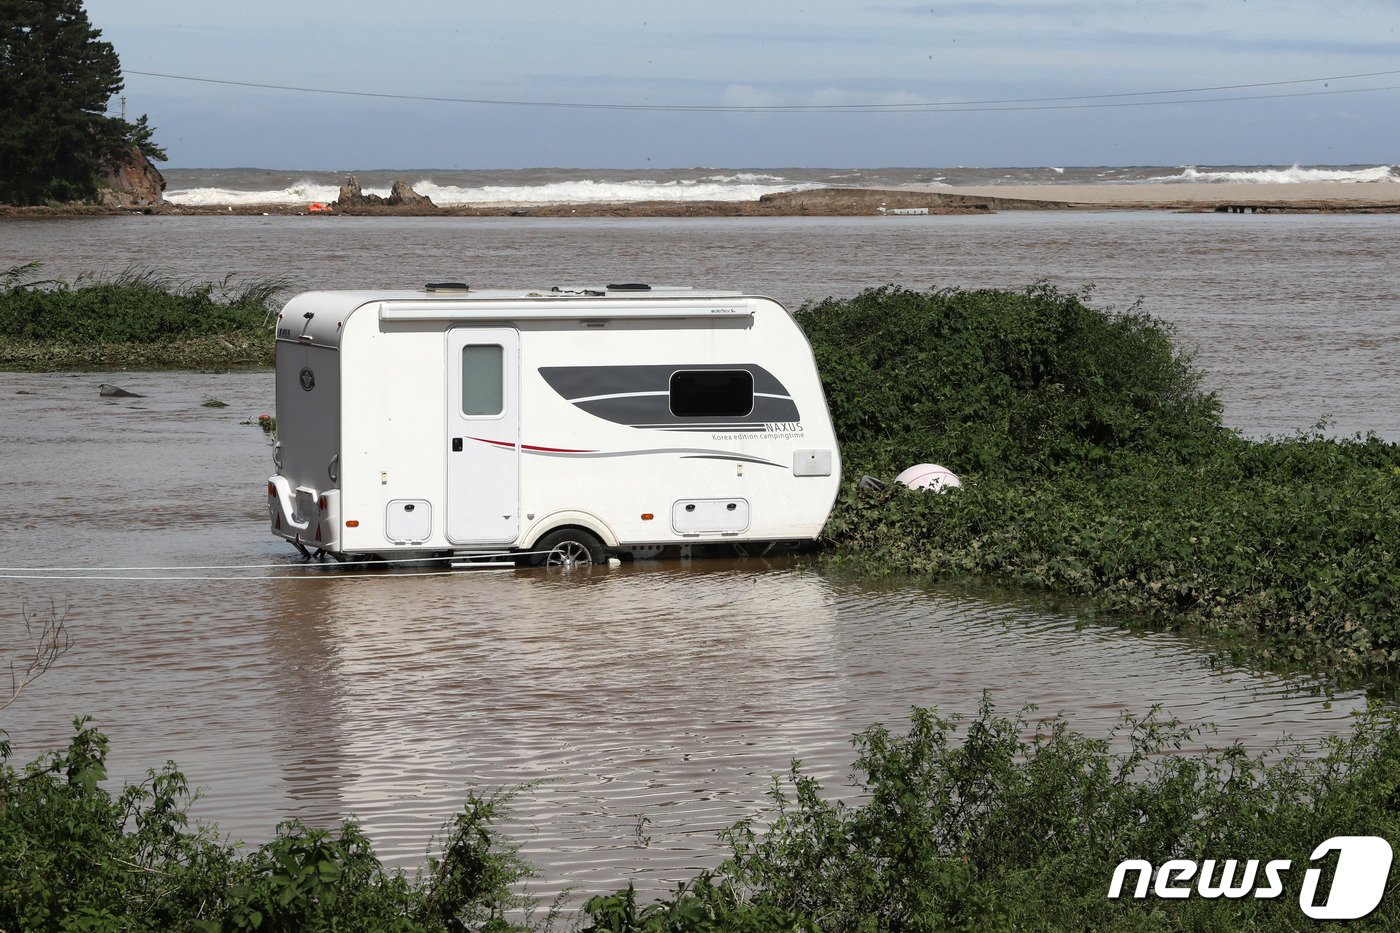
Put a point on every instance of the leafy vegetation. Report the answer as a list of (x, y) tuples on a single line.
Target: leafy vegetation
[(1095, 465), (137, 319), (991, 823), (1006, 383), (75, 856), (56, 140), (1020, 828)]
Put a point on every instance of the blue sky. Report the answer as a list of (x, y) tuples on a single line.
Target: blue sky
[(745, 53)]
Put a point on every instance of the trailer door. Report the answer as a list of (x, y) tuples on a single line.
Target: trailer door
[(483, 435)]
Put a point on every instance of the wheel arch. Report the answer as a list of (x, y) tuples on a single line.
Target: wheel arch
[(559, 521)]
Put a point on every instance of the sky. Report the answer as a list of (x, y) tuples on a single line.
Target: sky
[(732, 53)]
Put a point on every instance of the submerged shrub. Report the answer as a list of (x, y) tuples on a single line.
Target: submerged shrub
[(990, 822), (135, 307), (1014, 826), (74, 855), (997, 382), (1094, 465)]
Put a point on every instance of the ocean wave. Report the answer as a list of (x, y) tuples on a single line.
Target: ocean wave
[(1288, 176), (586, 191), (744, 186), (742, 176), (304, 192)]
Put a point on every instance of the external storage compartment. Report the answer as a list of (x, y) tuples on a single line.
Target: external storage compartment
[(811, 463), (710, 516), (409, 521)]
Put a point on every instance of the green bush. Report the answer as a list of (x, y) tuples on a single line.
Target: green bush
[(1095, 465), (1020, 827), (996, 382), (135, 307), (75, 856), (989, 823)]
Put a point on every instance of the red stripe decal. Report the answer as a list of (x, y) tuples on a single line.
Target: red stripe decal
[(548, 450)]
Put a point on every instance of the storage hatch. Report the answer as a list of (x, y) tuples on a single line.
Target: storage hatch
[(710, 516)]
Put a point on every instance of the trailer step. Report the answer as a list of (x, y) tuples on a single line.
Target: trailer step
[(489, 561), (495, 562)]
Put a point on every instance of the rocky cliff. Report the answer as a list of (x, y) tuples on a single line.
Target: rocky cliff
[(132, 182)]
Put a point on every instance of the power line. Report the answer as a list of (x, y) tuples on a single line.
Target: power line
[(1076, 102)]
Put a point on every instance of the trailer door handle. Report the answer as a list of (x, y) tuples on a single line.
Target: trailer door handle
[(456, 445)]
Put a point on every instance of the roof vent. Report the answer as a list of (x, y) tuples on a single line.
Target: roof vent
[(447, 287), (630, 287)]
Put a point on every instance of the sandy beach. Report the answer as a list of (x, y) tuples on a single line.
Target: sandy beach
[(1305, 195)]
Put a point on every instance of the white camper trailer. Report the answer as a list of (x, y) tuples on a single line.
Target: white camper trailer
[(557, 425)]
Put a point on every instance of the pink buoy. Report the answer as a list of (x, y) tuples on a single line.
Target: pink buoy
[(929, 476)]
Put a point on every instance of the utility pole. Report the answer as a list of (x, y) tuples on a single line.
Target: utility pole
[(123, 99)]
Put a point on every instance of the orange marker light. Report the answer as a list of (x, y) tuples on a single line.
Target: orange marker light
[(352, 524), (271, 489), (647, 516)]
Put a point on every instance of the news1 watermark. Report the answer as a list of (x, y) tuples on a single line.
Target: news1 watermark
[(1358, 881)]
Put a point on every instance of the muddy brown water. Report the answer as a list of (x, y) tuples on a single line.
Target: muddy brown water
[(651, 703), (1293, 317), (659, 696)]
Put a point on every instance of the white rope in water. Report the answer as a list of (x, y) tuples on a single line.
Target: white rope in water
[(284, 565), (245, 579), (144, 573)]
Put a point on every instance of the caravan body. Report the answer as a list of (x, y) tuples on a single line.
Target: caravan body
[(453, 420)]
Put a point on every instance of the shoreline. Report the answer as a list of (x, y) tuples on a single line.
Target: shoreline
[(1240, 197)]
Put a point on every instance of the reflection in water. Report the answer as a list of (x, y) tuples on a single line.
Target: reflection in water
[(668, 692), (306, 694)]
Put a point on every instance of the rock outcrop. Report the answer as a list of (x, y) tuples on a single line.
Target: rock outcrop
[(403, 195), (351, 196), (132, 182)]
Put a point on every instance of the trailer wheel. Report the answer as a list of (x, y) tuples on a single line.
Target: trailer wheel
[(568, 548)]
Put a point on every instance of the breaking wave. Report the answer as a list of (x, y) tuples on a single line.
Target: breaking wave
[(743, 186), (1295, 175), (301, 193), (585, 191)]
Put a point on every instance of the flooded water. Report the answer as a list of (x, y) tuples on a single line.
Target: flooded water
[(651, 703), (1293, 318)]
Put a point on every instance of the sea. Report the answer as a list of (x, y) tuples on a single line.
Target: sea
[(447, 187)]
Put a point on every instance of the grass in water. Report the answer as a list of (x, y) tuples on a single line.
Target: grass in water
[(136, 320)]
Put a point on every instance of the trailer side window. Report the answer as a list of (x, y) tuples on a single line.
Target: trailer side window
[(711, 393), (483, 379)]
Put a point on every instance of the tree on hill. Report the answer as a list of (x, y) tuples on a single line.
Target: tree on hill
[(56, 77)]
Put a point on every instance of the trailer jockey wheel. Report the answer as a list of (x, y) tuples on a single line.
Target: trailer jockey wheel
[(568, 548)]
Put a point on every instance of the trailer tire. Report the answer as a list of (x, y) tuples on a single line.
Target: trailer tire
[(567, 548)]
